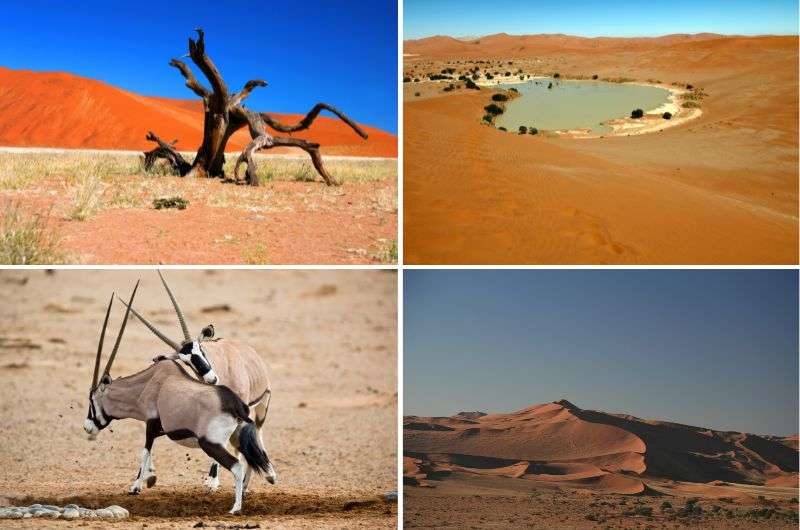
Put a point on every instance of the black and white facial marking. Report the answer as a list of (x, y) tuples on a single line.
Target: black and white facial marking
[(96, 419), (192, 354)]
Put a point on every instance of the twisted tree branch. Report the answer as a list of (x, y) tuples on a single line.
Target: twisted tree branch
[(306, 122), (197, 52), (248, 87), (166, 151), (191, 81)]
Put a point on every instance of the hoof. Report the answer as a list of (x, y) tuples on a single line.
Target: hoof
[(212, 485), (151, 481), (235, 511), (134, 490)]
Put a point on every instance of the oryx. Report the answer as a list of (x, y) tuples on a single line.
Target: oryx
[(173, 403), (223, 362)]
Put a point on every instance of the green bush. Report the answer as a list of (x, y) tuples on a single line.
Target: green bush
[(170, 202), (523, 129), (502, 129), (491, 108), (667, 115), (406, 80), (488, 118), (556, 75), (594, 76), (499, 97), (690, 105), (637, 113), (533, 130), (471, 84)]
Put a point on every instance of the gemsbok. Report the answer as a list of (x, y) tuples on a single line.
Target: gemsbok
[(171, 402), (223, 362)]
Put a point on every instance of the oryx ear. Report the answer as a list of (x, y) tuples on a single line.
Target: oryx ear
[(208, 332)]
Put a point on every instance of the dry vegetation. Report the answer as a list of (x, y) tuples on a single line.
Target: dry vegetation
[(76, 187)]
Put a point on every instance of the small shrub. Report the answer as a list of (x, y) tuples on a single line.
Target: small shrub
[(690, 105), (533, 130), (416, 94), (488, 118), (502, 129), (523, 129), (667, 115), (637, 113), (448, 88), (666, 505), (492, 108), (556, 75), (508, 74), (170, 202), (689, 87), (406, 80), (499, 97), (471, 84), (416, 79), (512, 89), (550, 85), (489, 76), (594, 76)]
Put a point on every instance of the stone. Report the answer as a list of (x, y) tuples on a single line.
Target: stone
[(104, 512), (70, 513), (118, 511)]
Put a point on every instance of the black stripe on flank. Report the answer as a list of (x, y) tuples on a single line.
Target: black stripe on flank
[(232, 404), (181, 434)]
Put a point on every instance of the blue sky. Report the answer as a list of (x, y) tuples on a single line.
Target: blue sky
[(343, 53), (591, 18), (711, 348)]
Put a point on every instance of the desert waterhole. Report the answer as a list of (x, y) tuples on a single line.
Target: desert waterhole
[(576, 104)]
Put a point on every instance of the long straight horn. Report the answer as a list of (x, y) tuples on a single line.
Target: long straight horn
[(100, 344), (185, 330), (121, 331), (174, 345)]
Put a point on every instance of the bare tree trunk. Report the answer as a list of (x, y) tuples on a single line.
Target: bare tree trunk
[(224, 114)]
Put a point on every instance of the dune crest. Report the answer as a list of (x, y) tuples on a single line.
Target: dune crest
[(561, 443), (56, 109)]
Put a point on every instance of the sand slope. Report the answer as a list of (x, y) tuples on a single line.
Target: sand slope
[(54, 109), (561, 443), (719, 189)]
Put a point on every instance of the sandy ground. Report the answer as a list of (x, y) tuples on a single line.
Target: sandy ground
[(465, 501), (719, 189), (329, 338), (284, 221)]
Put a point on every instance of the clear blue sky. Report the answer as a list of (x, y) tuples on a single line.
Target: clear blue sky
[(592, 18), (711, 348), (343, 53)]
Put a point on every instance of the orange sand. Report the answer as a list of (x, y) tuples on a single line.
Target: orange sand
[(65, 110)]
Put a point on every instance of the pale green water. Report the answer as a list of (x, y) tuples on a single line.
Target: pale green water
[(576, 104)]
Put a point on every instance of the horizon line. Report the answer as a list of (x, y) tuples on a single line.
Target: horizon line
[(599, 36), (642, 418)]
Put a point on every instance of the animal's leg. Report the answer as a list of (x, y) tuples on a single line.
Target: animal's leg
[(212, 480), (147, 472), (260, 418), (229, 462)]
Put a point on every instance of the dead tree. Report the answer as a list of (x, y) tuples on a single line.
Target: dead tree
[(224, 114)]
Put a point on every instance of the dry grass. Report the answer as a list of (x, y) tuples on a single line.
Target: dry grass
[(26, 239), (94, 182)]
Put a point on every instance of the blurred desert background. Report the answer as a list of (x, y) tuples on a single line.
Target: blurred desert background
[(329, 338)]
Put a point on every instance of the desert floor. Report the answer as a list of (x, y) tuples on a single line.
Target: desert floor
[(469, 501), (329, 338), (718, 189), (98, 208)]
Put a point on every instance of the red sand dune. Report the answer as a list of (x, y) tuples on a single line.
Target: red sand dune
[(559, 442), (53, 109)]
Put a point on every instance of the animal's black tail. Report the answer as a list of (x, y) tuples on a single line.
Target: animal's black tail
[(255, 455)]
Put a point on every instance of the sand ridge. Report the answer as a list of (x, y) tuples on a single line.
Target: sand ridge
[(561, 443), (57, 109)]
